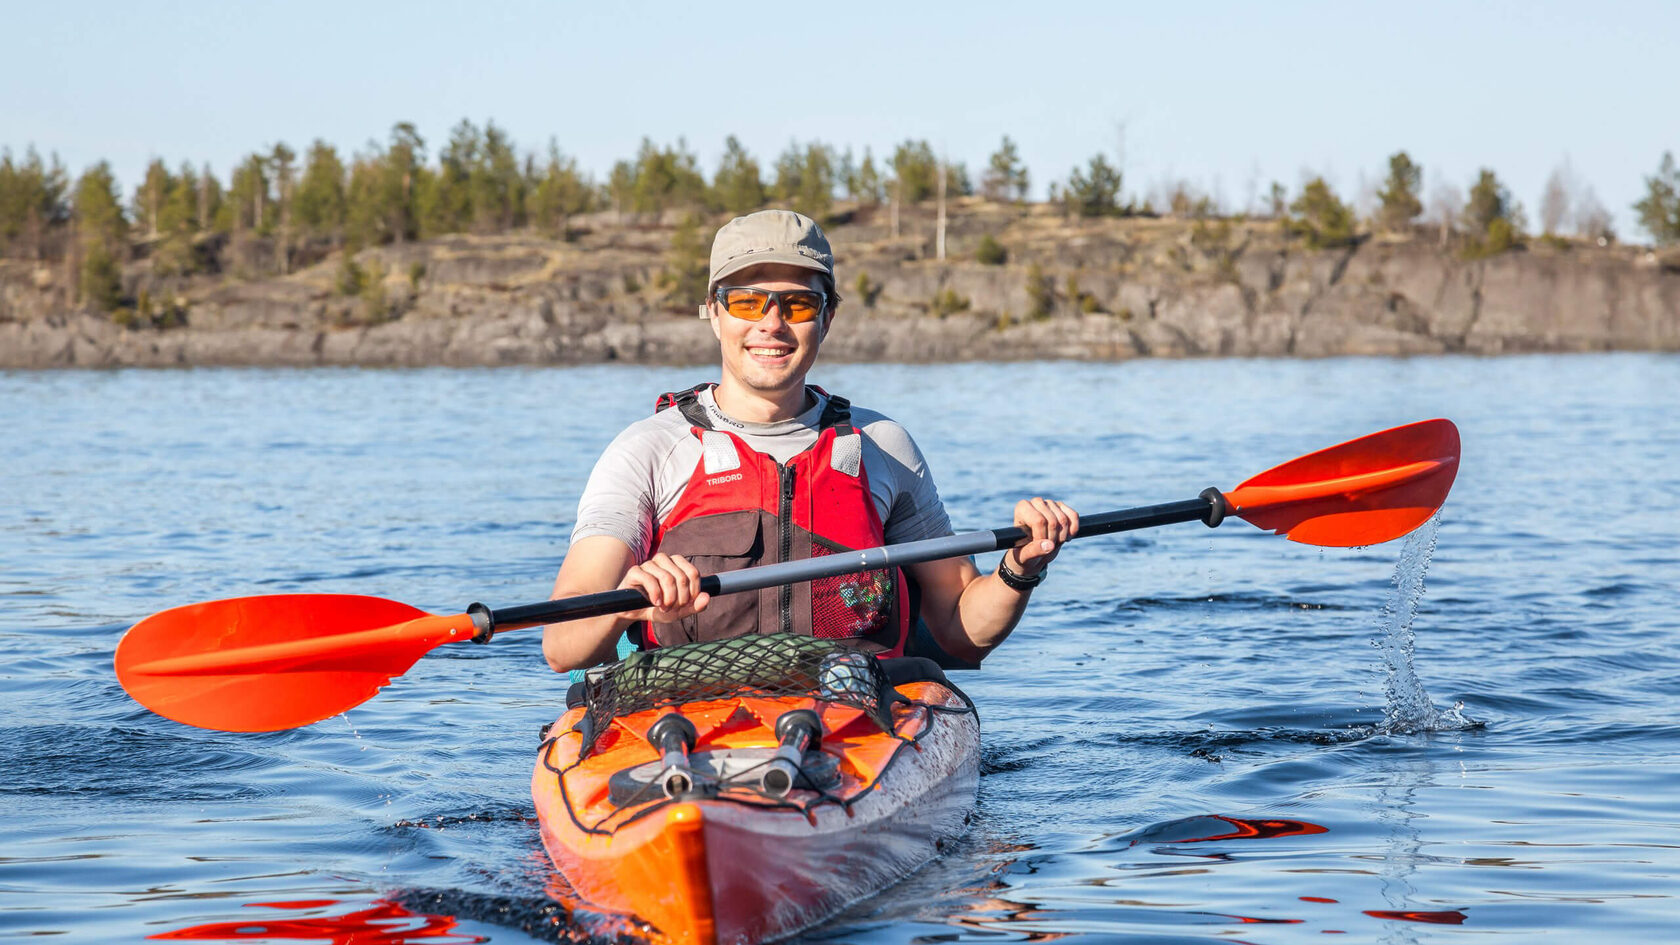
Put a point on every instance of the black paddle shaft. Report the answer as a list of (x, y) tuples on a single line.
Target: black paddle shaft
[(1209, 507)]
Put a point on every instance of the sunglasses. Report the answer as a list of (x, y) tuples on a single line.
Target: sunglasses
[(752, 304)]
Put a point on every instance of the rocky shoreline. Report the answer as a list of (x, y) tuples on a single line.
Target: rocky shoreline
[(1088, 290)]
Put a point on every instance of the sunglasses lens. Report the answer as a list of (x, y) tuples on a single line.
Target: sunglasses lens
[(800, 306), (745, 303)]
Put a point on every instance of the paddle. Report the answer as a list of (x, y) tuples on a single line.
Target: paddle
[(257, 664)]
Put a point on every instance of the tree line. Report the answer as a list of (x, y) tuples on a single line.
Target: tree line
[(278, 210)]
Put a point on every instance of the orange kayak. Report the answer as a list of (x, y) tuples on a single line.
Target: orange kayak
[(738, 792)]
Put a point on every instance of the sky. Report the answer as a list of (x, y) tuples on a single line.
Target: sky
[(1225, 96)]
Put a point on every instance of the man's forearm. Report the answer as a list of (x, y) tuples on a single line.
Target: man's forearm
[(580, 644), (592, 564)]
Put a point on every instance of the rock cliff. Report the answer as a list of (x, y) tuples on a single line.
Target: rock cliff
[(1106, 289)]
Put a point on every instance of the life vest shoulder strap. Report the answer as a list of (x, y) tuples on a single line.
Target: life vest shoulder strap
[(688, 401), (836, 415)]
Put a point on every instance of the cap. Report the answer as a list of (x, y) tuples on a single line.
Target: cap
[(770, 236)]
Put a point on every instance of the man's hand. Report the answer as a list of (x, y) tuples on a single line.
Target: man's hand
[(1049, 524), (671, 584)]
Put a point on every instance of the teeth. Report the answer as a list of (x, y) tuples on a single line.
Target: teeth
[(767, 352)]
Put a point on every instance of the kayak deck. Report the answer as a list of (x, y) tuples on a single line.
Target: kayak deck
[(733, 861)]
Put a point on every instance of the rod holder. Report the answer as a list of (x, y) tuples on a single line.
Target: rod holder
[(673, 735), (797, 731)]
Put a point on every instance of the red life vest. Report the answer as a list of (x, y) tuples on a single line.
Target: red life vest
[(742, 508)]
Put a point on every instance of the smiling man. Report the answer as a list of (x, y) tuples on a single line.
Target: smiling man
[(760, 468)]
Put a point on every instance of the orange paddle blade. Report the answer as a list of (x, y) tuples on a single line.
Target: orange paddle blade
[(260, 664), (1362, 492)]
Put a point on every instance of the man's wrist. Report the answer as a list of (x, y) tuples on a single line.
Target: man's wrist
[(1017, 580)]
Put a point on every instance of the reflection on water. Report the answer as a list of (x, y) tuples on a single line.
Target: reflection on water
[(380, 923), (1451, 917), (1196, 830)]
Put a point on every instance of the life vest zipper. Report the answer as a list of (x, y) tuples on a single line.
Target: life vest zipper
[(785, 523)]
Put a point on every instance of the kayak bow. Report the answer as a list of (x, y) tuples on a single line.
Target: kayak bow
[(679, 815)]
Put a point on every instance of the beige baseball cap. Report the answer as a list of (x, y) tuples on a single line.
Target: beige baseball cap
[(770, 236)]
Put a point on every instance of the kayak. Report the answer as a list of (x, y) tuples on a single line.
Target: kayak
[(736, 791), (739, 791)]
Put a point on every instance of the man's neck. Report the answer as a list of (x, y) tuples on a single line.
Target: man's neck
[(752, 406)]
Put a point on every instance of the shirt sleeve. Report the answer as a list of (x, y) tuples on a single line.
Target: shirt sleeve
[(915, 510), (619, 499)]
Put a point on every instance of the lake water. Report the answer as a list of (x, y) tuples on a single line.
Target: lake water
[(1184, 741)]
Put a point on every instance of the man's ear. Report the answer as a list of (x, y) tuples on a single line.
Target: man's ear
[(828, 321), (711, 314)]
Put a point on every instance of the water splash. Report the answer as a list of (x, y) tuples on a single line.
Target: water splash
[(1407, 708)]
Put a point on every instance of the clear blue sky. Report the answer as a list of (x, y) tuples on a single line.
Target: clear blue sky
[(1228, 96)]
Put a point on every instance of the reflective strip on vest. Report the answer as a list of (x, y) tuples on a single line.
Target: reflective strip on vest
[(847, 454), (719, 452)]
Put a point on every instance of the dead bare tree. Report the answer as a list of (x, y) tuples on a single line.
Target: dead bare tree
[(1445, 202), (1557, 200), (1592, 221)]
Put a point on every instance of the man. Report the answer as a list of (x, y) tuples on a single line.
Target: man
[(761, 468)]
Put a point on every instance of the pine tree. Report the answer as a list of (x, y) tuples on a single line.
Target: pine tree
[(102, 231), (209, 199), (813, 190), (867, 188), (402, 178), (32, 203), (148, 200), (175, 252), (496, 189), (14, 200), (445, 203), (559, 193), (321, 204), (280, 161), (915, 172), (666, 178), (684, 275), (1399, 195), (621, 187), (1319, 216), (365, 216), (1006, 177), (845, 174), (1094, 192), (737, 186), (1277, 200), (790, 166), (247, 207), (1659, 210), (1492, 216)]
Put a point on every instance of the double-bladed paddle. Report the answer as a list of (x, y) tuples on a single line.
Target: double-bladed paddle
[(258, 664)]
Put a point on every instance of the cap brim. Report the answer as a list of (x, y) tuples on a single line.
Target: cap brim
[(749, 260)]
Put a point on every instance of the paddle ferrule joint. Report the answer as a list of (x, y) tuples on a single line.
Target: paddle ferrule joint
[(484, 622), (1216, 506)]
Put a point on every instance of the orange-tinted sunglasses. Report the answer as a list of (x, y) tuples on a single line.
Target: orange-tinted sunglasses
[(752, 304)]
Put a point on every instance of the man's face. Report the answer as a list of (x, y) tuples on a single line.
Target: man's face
[(771, 355)]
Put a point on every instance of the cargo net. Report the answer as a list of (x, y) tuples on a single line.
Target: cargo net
[(781, 664)]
